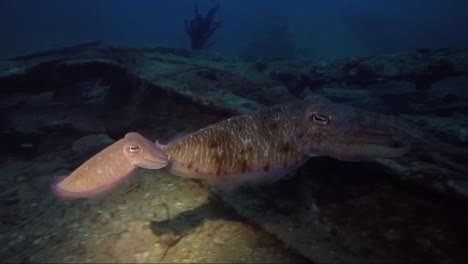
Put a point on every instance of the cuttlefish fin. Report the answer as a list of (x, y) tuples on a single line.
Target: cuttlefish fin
[(109, 167)]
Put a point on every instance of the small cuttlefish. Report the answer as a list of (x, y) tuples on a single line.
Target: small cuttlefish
[(258, 147)]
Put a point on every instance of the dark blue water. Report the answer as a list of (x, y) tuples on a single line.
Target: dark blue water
[(333, 28)]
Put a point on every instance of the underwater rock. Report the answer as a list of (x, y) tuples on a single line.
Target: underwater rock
[(286, 77), (260, 66), (208, 74), (67, 50), (330, 212), (344, 214), (170, 70), (39, 100), (422, 69)]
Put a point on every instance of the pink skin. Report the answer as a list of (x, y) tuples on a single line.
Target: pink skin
[(109, 167), (92, 193)]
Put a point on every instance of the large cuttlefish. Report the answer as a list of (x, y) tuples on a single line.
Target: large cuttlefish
[(256, 147)]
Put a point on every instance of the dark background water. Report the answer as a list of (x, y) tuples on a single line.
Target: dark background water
[(290, 28)]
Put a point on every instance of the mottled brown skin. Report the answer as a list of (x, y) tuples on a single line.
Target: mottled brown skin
[(284, 136), (265, 141)]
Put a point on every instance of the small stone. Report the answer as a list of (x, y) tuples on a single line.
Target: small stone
[(102, 218), (219, 241), (142, 257)]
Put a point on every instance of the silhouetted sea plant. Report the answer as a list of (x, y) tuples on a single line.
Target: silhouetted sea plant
[(200, 28)]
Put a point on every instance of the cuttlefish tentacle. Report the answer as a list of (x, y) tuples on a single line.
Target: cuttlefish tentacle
[(253, 147), (110, 166)]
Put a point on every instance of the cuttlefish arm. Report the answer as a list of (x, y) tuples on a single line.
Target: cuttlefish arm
[(110, 166)]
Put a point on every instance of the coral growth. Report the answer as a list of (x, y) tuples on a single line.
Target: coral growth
[(201, 28)]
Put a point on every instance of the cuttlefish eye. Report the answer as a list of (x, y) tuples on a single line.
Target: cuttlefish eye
[(319, 119), (134, 149)]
